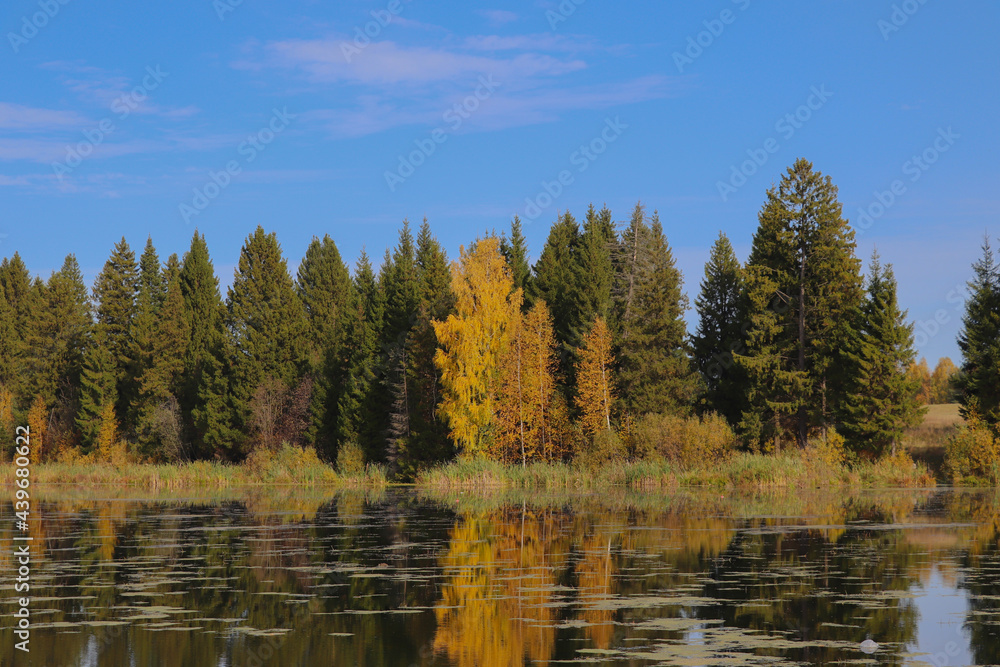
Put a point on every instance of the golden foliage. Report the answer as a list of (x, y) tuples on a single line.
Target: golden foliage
[(6, 421), (472, 341), (687, 441), (527, 382), (38, 421), (972, 455), (595, 384), (108, 447)]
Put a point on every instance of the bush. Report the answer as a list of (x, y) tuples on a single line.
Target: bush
[(972, 455), (351, 460), (684, 441), (605, 448), (829, 453)]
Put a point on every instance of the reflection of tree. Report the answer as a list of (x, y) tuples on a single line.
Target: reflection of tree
[(980, 565)]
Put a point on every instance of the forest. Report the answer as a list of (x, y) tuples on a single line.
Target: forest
[(583, 356)]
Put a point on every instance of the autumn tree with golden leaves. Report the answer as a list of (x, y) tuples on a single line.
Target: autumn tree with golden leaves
[(472, 341), (595, 383)]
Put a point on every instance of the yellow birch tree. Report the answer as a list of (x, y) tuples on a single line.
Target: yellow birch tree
[(472, 340)]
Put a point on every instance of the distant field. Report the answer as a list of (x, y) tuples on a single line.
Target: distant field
[(942, 415)]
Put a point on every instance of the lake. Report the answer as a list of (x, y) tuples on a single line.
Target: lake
[(402, 577)]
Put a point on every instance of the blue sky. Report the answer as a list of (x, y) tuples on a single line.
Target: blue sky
[(156, 118)]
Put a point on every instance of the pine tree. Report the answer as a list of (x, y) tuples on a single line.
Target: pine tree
[(265, 322), (882, 403), (721, 321), (472, 341), (596, 387), (656, 373), (979, 341), (515, 250), (324, 286), (803, 251)]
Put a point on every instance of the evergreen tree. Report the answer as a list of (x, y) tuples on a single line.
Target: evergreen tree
[(361, 420), (203, 393), (555, 283), (630, 257), (721, 321), (115, 292), (152, 282), (883, 402), (265, 322), (515, 249), (804, 251), (656, 373), (97, 385), (324, 286), (979, 340), (595, 272), (15, 285), (428, 441)]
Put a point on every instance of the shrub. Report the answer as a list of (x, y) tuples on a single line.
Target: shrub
[(605, 448), (829, 453), (351, 460), (972, 455), (684, 441)]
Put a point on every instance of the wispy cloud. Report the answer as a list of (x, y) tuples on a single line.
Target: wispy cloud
[(498, 17), (21, 118)]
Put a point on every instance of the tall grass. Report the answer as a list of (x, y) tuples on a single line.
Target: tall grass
[(287, 466)]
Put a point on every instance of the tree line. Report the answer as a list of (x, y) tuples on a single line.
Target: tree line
[(421, 359)]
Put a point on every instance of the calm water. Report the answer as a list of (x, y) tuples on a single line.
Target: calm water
[(404, 579)]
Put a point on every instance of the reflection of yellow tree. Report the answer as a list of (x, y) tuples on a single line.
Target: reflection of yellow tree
[(594, 578), (496, 610)]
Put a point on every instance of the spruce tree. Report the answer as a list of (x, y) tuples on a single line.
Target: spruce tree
[(203, 393), (630, 260), (265, 321), (361, 419), (16, 284), (803, 250), (115, 292), (324, 286), (555, 283), (595, 272), (656, 372), (882, 402), (515, 249), (721, 325), (97, 385), (979, 340)]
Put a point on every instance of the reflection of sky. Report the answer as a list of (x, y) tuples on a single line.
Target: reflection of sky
[(942, 611)]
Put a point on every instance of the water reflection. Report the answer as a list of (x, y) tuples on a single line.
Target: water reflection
[(405, 579)]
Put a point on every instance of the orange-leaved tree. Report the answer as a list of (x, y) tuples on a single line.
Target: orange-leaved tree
[(594, 382), (527, 382), (472, 340)]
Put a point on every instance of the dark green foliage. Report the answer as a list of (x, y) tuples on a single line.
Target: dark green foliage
[(324, 286), (805, 273), (203, 391), (115, 292), (15, 285), (595, 272), (882, 402), (656, 373), (979, 380), (630, 260), (361, 414), (556, 283), (97, 385), (722, 322), (265, 323), (515, 249)]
